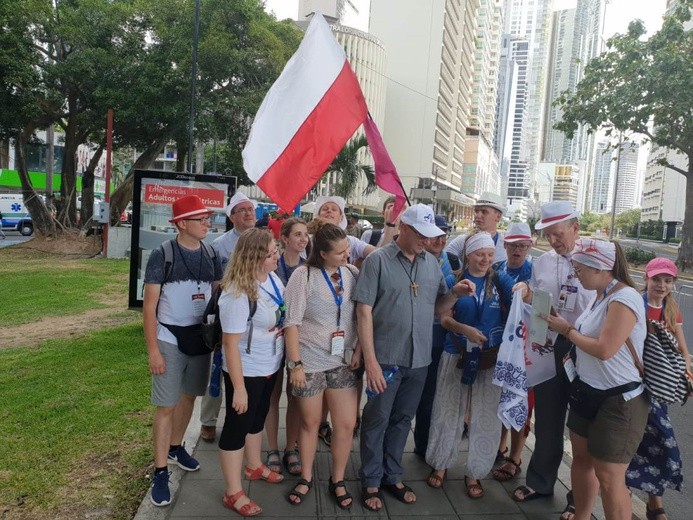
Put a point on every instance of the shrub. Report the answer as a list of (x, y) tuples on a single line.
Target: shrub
[(638, 256)]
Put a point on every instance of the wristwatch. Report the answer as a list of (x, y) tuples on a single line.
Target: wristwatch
[(390, 224), (292, 365)]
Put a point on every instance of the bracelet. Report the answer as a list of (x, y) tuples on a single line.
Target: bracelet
[(389, 224), (568, 331)]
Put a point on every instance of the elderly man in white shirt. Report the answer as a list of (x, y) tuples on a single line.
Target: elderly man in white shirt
[(553, 272), (488, 211)]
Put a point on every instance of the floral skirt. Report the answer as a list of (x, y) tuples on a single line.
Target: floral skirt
[(657, 464)]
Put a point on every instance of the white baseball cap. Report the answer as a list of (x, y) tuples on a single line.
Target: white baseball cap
[(422, 219), (238, 198)]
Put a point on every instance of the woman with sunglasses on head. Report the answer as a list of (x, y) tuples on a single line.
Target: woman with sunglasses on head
[(657, 463), (294, 239), (251, 311), (475, 329), (607, 336), (321, 353)]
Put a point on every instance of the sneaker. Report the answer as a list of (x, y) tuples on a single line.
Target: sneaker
[(183, 459), (161, 495)]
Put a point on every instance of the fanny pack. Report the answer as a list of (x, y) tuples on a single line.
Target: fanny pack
[(190, 339), (487, 357), (585, 400)]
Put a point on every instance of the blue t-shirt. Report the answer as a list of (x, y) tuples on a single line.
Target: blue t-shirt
[(445, 266), (519, 274), (482, 312)]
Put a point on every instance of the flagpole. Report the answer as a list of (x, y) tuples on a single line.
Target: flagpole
[(404, 191)]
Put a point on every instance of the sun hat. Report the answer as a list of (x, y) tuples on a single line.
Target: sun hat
[(517, 232), (189, 206), (421, 218), (599, 254), (492, 200), (478, 241), (555, 212), (237, 199), (339, 201), (661, 266), (442, 223)]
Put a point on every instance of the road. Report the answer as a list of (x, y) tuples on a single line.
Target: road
[(660, 249), (13, 237)]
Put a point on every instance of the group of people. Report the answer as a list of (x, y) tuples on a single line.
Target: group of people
[(423, 320)]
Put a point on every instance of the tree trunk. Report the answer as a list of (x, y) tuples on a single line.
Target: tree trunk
[(68, 185), (44, 224), (122, 196), (87, 210), (685, 260), (181, 155)]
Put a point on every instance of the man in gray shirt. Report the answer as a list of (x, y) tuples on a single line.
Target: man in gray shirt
[(399, 289)]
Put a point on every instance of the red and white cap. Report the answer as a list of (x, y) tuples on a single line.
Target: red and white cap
[(517, 232), (188, 207), (555, 212)]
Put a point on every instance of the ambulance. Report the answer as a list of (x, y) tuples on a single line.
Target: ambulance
[(15, 215)]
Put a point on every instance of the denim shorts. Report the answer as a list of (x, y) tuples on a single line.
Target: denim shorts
[(318, 382)]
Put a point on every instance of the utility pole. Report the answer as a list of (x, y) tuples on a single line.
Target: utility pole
[(193, 85)]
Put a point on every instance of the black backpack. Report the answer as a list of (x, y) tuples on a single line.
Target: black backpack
[(454, 261), (375, 237), (211, 324)]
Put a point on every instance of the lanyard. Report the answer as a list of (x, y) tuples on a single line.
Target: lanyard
[(495, 238), (199, 270), (286, 272), (338, 298), (596, 304), (276, 298)]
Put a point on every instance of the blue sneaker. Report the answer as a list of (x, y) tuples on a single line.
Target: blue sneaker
[(183, 459), (161, 495)]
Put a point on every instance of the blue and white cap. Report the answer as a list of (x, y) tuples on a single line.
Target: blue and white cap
[(421, 218)]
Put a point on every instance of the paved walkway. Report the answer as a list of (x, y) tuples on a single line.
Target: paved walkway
[(198, 495)]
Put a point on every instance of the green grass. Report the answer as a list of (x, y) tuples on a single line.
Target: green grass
[(75, 424), (32, 288)]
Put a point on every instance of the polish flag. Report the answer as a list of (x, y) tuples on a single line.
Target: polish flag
[(305, 120)]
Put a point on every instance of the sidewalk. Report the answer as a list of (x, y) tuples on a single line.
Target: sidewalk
[(198, 494)]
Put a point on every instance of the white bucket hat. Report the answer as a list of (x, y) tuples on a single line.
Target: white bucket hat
[(422, 219), (238, 198), (517, 232), (555, 212), (492, 200), (339, 201)]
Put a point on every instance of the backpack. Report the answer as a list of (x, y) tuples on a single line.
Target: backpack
[(211, 324), (167, 251), (454, 261), (375, 237)]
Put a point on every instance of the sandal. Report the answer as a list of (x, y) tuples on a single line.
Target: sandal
[(262, 472), (367, 495), (473, 490), (508, 470), (249, 509), (292, 466), (569, 511), (528, 494), (273, 462), (500, 456), (295, 493), (325, 433), (340, 499), (400, 492), (436, 481), (652, 514)]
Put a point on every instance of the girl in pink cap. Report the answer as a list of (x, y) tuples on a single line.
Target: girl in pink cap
[(657, 464)]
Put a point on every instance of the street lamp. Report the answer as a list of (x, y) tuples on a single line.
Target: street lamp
[(434, 189)]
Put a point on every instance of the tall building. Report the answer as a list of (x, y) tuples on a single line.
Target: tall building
[(602, 180), (565, 184), (430, 74), (627, 177)]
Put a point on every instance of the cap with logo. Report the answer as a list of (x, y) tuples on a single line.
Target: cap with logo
[(421, 218)]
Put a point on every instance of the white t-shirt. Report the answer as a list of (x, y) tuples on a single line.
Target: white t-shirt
[(264, 359), (357, 248), (619, 369), (456, 246)]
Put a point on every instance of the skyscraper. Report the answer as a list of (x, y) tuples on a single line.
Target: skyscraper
[(627, 177), (602, 180)]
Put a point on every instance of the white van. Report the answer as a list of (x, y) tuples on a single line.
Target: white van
[(15, 215)]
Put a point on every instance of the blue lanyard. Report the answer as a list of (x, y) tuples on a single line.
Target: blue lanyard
[(338, 298), (661, 312), (276, 298), (495, 238), (286, 273)]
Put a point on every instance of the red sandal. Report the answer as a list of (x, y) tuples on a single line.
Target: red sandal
[(249, 509), (262, 472)]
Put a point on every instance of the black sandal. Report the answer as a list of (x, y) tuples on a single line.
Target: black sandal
[(399, 493), (367, 495), (527, 494), (340, 499), (569, 511), (325, 433), (294, 468), (273, 462), (295, 493), (652, 514)]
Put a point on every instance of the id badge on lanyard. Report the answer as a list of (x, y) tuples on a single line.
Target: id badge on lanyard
[(567, 298), (569, 367), (337, 343), (199, 303)]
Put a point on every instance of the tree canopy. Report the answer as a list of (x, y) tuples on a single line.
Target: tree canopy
[(643, 86)]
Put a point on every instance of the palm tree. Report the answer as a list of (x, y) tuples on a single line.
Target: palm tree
[(348, 169)]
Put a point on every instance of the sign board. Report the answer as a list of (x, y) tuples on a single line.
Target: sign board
[(154, 192)]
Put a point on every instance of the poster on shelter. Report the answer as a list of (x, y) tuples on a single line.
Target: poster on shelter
[(155, 191)]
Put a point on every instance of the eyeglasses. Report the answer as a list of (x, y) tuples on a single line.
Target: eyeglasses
[(272, 253), (203, 220), (243, 210), (519, 247)]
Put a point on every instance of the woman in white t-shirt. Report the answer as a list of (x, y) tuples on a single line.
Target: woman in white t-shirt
[(603, 445), (251, 311)]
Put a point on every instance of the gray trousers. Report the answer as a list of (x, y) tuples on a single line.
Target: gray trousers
[(550, 407), (210, 406), (385, 426)]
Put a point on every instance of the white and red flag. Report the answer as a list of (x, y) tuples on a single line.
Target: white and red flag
[(306, 118)]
